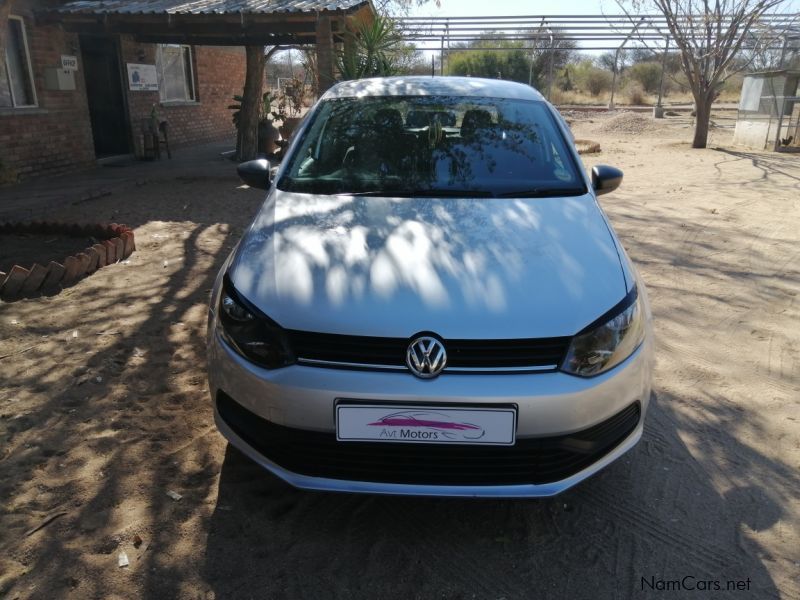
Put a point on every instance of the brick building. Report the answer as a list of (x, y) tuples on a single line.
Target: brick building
[(80, 80)]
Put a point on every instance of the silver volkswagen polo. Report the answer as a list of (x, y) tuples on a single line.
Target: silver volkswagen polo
[(431, 301)]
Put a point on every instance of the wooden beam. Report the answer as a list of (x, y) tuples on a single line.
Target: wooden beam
[(244, 39), (228, 29)]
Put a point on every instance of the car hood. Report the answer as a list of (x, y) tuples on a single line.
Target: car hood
[(464, 268)]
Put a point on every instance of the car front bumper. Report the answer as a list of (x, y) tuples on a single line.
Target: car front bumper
[(303, 399)]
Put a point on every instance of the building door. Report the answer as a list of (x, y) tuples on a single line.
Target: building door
[(107, 109)]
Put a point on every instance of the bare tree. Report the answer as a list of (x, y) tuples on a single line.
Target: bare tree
[(247, 142), (548, 55), (249, 113), (709, 35), (396, 8)]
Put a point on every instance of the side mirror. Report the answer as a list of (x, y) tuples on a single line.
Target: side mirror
[(605, 179), (255, 173)]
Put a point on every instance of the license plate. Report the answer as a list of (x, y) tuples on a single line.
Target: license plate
[(425, 424)]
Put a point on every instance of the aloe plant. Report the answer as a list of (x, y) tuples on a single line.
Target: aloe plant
[(263, 111), (370, 50)]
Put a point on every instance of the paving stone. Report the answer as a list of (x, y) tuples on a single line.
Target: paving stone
[(102, 259), (85, 260), (119, 246), (72, 268), (94, 257), (14, 281), (111, 252), (34, 281), (52, 283), (130, 245)]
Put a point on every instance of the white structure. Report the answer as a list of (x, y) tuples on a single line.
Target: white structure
[(769, 111)]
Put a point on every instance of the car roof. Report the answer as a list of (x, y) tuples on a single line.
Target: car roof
[(433, 86)]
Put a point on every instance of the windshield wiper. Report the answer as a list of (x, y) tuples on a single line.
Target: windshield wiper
[(422, 193), (544, 192), (379, 193)]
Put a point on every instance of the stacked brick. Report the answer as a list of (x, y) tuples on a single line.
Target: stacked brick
[(115, 243)]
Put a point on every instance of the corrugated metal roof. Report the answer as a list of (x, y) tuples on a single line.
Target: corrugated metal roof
[(199, 7)]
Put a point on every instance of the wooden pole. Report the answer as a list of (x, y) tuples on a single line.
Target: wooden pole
[(247, 143), (324, 37)]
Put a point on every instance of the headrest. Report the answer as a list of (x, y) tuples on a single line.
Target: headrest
[(475, 118), (388, 120), (447, 118), (418, 118)]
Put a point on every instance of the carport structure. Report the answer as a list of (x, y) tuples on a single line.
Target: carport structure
[(253, 24), (548, 33)]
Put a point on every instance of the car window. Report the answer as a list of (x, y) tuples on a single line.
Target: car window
[(432, 145)]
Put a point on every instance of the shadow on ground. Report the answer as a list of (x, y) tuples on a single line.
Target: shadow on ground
[(99, 427), (654, 516), (104, 405)]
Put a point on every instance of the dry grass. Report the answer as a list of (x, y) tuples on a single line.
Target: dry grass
[(623, 97), (587, 146)]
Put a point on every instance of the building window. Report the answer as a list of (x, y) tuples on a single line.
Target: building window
[(16, 76), (175, 73)]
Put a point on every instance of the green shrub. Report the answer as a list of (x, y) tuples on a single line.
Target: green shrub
[(647, 75), (591, 79), (511, 64)]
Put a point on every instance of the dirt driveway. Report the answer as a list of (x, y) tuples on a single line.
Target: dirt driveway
[(104, 408)]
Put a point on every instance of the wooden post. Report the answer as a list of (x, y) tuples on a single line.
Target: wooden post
[(614, 78), (658, 109), (247, 141), (324, 53)]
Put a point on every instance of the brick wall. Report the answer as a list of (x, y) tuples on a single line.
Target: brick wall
[(219, 74), (56, 136)]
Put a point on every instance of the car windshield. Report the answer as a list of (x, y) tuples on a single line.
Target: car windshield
[(433, 145)]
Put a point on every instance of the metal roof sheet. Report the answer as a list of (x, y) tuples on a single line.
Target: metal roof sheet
[(200, 7)]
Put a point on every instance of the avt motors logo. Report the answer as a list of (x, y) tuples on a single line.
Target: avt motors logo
[(426, 425)]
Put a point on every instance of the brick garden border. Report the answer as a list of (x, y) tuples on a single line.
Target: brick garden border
[(115, 243)]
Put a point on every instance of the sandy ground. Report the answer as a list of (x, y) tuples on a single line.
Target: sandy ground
[(104, 407)]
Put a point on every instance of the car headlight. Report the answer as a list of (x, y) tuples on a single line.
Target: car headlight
[(608, 341), (252, 334)]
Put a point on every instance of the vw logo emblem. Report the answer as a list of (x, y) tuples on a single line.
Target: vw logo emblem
[(426, 357)]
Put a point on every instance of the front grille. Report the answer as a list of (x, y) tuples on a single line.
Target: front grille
[(462, 355), (529, 461)]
